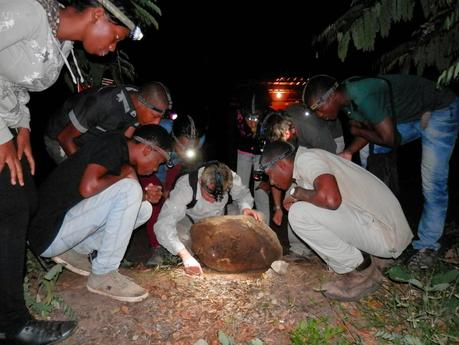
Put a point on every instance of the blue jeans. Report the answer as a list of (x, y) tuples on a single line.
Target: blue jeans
[(103, 222), (438, 140)]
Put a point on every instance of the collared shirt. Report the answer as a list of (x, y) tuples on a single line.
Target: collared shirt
[(359, 189), (175, 209)]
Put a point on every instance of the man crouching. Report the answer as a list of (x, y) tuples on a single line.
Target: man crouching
[(93, 201), (343, 212), (198, 195)]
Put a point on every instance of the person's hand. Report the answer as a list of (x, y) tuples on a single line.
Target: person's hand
[(277, 216), (127, 171), (346, 155), (252, 213), (289, 201), (192, 266), (153, 193), (8, 156), (23, 143)]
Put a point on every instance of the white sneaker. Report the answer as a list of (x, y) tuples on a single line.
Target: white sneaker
[(75, 262), (116, 286)]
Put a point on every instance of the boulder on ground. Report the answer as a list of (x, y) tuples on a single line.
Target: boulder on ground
[(235, 243)]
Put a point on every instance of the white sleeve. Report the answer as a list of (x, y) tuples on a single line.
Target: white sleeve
[(173, 210), (310, 165), (13, 110), (18, 21), (240, 193)]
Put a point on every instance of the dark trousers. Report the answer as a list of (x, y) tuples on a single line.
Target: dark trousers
[(16, 207)]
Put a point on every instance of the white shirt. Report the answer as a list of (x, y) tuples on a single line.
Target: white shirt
[(174, 209), (358, 187)]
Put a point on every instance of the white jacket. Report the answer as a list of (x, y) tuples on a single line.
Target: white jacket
[(174, 209), (30, 60)]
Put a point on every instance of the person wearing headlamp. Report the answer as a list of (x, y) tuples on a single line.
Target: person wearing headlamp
[(343, 212), (36, 38), (111, 108), (187, 153), (197, 195)]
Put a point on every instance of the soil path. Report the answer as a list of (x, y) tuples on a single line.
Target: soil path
[(183, 309)]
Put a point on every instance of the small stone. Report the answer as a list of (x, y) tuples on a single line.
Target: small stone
[(201, 342), (280, 267)]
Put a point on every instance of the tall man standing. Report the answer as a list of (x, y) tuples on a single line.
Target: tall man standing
[(392, 110)]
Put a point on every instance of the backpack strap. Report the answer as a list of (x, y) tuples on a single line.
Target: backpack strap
[(193, 181)]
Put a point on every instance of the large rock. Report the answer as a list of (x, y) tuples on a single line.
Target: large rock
[(235, 243)]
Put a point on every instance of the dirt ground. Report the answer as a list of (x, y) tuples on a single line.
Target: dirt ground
[(183, 309)]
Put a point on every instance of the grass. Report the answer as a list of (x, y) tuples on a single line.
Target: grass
[(424, 309), (39, 288)]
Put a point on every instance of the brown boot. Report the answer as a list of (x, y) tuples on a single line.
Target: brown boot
[(352, 286)]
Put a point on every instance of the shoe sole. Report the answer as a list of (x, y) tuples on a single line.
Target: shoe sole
[(119, 298), (64, 337), (70, 267), (371, 289)]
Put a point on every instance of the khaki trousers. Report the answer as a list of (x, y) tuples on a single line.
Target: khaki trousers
[(338, 236)]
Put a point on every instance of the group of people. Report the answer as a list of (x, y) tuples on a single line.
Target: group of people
[(341, 211), (121, 164)]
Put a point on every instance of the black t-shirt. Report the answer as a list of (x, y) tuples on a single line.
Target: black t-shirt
[(95, 111), (60, 191)]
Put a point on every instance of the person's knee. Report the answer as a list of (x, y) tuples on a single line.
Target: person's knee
[(131, 188)]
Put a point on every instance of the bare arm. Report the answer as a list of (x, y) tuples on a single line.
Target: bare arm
[(95, 178), (384, 133), (66, 138), (277, 199), (325, 194)]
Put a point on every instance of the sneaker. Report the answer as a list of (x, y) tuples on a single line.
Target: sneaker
[(423, 259), (352, 286), (116, 286), (75, 262), (161, 256)]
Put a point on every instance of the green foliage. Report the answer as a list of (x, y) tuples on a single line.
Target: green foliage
[(39, 289), (434, 42), (425, 312), (317, 332), (223, 339)]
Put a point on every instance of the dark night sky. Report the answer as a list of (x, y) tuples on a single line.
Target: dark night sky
[(211, 44)]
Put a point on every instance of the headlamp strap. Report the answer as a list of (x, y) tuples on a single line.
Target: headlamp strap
[(136, 34)]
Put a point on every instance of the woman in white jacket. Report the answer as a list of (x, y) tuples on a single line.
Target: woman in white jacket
[(36, 37)]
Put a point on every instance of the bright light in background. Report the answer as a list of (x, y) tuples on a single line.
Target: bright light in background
[(279, 94), (190, 153), (173, 116)]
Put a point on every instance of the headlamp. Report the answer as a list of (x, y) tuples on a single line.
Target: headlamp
[(268, 165), (322, 99), (164, 153), (252, 117), (191, 149), (149, 105), (190, 153), (135, 33)]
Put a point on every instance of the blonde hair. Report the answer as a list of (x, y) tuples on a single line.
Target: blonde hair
[(208, 176), (279, 127)]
